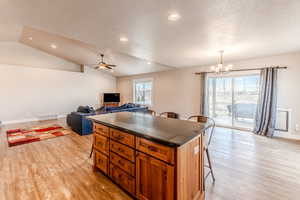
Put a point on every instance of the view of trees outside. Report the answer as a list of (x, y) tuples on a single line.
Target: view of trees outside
[(232, 100), (143, 92)]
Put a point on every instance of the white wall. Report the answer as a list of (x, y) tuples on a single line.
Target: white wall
[(29, 92), (179, 90)]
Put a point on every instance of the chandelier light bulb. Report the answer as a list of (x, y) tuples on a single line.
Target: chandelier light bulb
[(220, 67)]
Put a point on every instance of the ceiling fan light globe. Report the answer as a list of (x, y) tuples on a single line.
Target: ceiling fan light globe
[(174, 16)]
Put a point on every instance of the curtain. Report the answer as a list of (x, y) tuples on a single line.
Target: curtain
[(267, 103), (203, 107)]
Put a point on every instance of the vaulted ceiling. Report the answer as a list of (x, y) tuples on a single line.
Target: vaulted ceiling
[(244, 28)]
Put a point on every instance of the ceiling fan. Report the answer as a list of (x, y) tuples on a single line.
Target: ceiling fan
[(103, 65)]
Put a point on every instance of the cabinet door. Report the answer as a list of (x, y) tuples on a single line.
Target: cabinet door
[(154, 179), (101, 162), (101, 143)]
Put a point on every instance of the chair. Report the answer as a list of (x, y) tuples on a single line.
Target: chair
[(203, 119), (169, 115)]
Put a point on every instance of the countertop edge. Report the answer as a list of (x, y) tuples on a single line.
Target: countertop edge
[(162, 142)]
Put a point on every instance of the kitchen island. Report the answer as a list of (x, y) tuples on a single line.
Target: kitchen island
[(151, 158)]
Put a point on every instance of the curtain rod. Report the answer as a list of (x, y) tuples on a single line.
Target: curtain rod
[(240, 70)]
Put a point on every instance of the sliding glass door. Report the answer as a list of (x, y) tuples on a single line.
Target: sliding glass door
[(232, 100)]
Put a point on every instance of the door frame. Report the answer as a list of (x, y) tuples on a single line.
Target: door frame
[(231, 75)]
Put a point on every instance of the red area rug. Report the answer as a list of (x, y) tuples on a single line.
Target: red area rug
[(23, 136)]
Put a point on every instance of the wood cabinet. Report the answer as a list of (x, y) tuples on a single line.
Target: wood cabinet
[(190, 170), (148, 170), (154, 178)]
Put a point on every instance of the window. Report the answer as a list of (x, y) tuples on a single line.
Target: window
[(142, 91)]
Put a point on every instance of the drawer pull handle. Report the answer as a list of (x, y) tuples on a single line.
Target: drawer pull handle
[(119, 137), (152, 148), (120, 162)]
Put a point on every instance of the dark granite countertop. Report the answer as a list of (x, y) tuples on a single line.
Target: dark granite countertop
[(171, 132)]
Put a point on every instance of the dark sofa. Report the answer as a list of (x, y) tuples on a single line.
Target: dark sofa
[(80, 124)]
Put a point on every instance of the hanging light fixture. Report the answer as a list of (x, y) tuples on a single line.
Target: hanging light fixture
[(220, 67)]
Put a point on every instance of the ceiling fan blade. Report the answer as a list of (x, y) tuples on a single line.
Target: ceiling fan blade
[(108, 67), (112, 65)]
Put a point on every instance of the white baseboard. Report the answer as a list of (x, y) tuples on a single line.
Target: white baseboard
[(27, 120)]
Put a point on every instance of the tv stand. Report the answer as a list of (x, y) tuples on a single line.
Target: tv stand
[(111, 104)]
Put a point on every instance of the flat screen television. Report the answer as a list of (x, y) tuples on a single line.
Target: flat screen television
[(111, 97)]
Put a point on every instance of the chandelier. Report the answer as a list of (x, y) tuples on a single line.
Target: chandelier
[(220, 67)]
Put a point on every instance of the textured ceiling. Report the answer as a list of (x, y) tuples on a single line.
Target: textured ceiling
[(244, 28), (86, 54)]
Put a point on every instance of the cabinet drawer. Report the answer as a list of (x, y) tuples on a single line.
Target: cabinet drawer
[(159, 151), (122, 137), (101, 129), (124, 164), (122, 150), (124, 180), (101, 162), (101, 143)]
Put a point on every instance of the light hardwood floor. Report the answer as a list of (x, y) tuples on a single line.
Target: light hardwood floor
[(54, 169), (247, 167)]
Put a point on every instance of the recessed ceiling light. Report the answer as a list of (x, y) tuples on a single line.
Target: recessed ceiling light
[(53, 46), (174, 16), (30, 38), (123, 39), (149, 63)]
